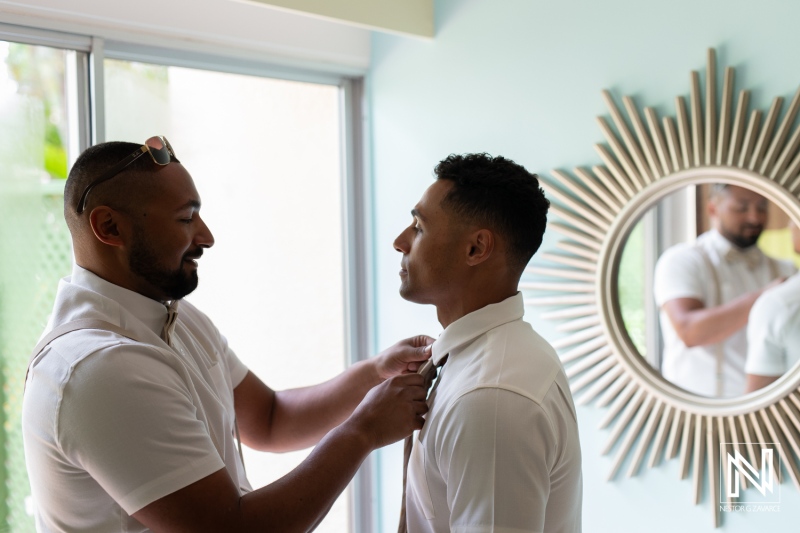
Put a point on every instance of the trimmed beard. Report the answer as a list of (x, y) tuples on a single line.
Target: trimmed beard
[(144, 262), (742, 241)]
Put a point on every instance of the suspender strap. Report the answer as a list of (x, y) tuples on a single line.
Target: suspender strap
[(69, 327), (773, 268), (716, 286), (84, 323), (719, 351), (91, 323)]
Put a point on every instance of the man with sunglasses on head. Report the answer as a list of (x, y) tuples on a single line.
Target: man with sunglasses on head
[(134, 402), (704, 291)]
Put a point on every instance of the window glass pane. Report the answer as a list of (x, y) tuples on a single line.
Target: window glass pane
[(265, 156), (37, 128), (632, 291)]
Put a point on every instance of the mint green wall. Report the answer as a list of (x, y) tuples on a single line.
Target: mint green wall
[(522, 78)]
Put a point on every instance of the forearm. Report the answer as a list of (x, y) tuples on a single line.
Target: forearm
[(297, 502), (755, 382), (703, 326), (302, 498), (299, 418)]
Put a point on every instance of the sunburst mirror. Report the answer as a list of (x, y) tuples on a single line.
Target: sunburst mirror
[(647, 162)]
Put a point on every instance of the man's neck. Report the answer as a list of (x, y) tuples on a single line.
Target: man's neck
[(122, 278), (471, 301)]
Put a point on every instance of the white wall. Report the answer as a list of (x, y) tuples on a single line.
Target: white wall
[(245, 30), (523, 79)]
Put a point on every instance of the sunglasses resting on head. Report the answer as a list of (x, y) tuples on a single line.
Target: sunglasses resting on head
[(160, 151)]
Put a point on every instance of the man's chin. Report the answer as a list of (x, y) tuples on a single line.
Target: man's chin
[(746, 242), (406, 293), (187, 287), (741, 240)]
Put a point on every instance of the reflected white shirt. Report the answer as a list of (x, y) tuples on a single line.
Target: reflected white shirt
[(499, 451), (773, 330), (681, 272)]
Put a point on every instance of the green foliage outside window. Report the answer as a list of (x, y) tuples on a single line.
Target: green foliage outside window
[(39, 73), (34, 243), (632, 289)]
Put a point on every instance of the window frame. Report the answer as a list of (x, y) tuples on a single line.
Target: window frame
[(355, 184)]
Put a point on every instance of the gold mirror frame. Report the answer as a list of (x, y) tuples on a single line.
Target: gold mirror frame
[(596, 212)]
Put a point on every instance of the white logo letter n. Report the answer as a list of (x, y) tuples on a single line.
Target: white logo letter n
[(738, 464)]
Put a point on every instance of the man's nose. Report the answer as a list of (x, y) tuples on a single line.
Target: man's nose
[(401, 242), (756, 216), (204, 237)]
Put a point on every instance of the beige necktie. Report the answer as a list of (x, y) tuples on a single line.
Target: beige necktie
[(429, 371), (172, 319)]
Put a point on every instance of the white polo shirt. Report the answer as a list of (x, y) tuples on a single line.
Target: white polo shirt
[(682, 272), (773, 330), (499, 451), (110, 424)]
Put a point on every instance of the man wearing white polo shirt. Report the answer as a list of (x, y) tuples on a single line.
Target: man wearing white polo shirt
[(134, 401), (705, 291), (499, 450), (773, 330)]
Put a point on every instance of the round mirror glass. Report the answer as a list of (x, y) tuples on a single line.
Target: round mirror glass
[(690, 271)]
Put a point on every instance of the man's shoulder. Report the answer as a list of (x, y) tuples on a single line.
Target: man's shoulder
[(519, 338), (517, 367), (781, 301), (92, 364), (516, 358), (683, 254), (190, 314), (96, 354)]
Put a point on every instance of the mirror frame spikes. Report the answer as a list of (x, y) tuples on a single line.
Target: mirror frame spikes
[(595, 212)]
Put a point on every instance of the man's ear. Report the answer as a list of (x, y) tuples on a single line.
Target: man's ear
[(108, 225), (481, 246), (711, 206)]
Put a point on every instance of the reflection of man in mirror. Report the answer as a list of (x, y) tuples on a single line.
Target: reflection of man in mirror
[(705, 291), (773, 330)]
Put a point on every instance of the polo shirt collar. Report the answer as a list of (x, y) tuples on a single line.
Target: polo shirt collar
[(150, 312), (718, 242), (723, 246), (753, 256), (473, 325)]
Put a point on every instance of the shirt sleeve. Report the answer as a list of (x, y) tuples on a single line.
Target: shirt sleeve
[(496, 450), (766, 355), (128, 418), (680, 273), (203, 327), (786, 268), (237, 369)]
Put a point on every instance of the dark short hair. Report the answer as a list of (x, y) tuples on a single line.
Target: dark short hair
[(501, 195), (91, 164), (718, 188)]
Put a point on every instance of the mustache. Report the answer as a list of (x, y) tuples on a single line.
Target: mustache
[(194, 254)]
